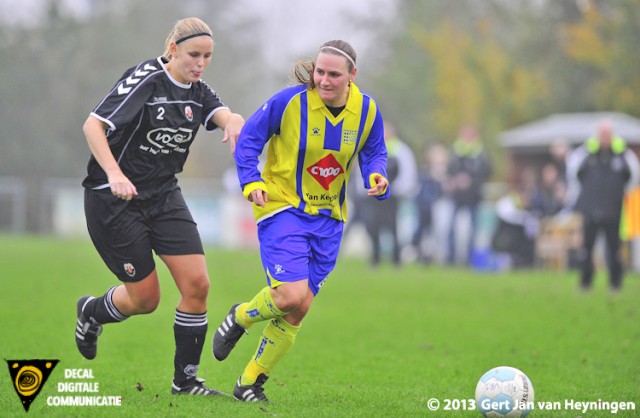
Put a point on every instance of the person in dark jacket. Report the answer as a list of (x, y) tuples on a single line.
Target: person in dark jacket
[(604, 168), (469, 169)]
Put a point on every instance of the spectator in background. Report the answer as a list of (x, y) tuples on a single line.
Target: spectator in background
[(429, 191), (383, 216), (559, 152), (517, 229), (548, 199), (358, 205), (604, 168), (469, 169)]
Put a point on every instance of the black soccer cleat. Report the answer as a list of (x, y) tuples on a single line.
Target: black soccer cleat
[(227, 335), (196, 388), (87, 331), (251, 393)]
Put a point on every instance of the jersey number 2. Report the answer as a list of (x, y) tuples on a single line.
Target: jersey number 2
[(160, 113)]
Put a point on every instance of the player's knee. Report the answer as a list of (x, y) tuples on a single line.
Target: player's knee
[(147, 304), (290, 300), (197, 288), (201, 287)]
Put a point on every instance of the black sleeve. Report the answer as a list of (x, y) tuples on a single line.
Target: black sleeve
[(211, 101), (127, 98)]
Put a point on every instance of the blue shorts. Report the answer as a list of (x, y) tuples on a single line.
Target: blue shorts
[(296, 246)]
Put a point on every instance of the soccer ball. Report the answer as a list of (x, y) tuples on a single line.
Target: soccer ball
[(504, 392)]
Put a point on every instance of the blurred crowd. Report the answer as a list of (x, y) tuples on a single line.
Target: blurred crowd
[(539, 218), (437, 186)]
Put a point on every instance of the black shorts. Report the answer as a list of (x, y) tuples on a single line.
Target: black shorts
[(126, 233)]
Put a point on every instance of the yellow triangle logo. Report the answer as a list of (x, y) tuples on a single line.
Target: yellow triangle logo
[(28, 377)]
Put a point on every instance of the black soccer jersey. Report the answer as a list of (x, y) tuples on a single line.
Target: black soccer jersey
[(152, 120)]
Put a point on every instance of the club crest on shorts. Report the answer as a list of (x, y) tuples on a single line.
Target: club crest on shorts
[(188, 113), (129, 269)]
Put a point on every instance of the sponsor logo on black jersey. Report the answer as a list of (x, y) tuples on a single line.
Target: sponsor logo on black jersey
[(167, 140)]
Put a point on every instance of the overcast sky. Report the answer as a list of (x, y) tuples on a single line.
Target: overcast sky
[(292, 23), (300, 26), (29, 12), (286, 30)]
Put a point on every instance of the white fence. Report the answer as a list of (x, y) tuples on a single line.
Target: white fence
[(224, 218), (13, 204)]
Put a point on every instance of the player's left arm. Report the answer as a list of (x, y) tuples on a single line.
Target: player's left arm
[(231, 124), (379, 185), (373, 161)]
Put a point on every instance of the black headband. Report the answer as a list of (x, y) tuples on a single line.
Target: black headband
[(193, 35)]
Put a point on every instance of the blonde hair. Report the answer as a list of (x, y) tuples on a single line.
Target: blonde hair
[(303, 69), (184, 28)]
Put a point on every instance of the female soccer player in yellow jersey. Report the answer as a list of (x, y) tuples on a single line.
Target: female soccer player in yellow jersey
[(315, 130)]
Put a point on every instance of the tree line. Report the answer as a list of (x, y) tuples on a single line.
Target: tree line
[(499, 64)]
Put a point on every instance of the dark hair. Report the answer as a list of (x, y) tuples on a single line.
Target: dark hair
[(303, 69)]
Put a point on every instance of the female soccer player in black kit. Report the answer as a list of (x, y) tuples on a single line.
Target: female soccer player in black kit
[(139, 136)]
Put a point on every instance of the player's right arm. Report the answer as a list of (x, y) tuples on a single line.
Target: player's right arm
[(121, 186), (256, 132)]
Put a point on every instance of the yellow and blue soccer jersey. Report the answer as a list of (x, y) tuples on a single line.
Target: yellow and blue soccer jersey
[(311, 152)]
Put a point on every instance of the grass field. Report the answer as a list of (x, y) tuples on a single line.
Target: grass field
[(377, 343)]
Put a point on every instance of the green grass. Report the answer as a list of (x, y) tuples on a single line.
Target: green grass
[(377, 343)]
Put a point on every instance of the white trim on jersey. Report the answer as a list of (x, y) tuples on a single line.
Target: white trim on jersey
[(271, 214), (161, 103), (210, 116), (129, 94), (173, 80), (101, 119), (126, 145)]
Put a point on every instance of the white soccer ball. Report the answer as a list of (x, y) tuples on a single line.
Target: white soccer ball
[(504, 392)]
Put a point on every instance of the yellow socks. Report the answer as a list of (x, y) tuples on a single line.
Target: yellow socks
[(277, 339), (260, 308)]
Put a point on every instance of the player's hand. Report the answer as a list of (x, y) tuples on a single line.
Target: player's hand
[(259, 197), (121, 186), (232, 130), (380, 187)]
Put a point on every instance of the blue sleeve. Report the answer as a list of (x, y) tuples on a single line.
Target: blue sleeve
[(257, 131), (372, 158)]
